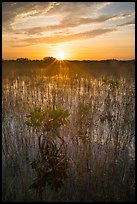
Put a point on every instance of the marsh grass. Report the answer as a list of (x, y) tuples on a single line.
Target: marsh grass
[(99, 136)]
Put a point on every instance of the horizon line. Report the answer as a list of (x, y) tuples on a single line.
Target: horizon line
[(72, 59)]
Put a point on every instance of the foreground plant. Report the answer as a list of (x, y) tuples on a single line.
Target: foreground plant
[(52, 161)]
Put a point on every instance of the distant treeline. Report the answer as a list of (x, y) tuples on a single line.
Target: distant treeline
[(52, 59), (52, 66)]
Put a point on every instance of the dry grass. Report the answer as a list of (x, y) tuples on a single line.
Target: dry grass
[(99, 136)]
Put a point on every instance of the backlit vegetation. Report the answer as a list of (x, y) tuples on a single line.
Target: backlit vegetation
[(68, 131)]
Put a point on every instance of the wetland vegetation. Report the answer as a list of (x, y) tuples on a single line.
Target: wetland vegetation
[(68, 130)]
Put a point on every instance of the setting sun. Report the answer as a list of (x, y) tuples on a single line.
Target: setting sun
[(60, 56)]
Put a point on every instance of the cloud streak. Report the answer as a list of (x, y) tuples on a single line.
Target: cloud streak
[(11, 11), (132, 22), (68, 23), (14, 10), (64, 38), (71, 22)]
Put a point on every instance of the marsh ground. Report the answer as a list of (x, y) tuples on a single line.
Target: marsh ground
[(99, 137)]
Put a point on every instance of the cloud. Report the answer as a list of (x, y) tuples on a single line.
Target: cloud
[(68, 22), (79, 8), (72, 15), (132, 22), (13, 10), (64, 38)]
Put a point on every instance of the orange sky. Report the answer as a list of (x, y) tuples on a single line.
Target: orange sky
[(73, 30)]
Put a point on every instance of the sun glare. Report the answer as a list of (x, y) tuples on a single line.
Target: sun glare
[(60, 56)]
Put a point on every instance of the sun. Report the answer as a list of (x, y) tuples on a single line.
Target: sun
[(60, 56)]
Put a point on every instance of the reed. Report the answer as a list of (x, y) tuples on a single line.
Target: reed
[(98, 139)]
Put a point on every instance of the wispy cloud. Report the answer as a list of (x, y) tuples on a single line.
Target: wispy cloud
[(64, 38), (14, 10), (70, 22), (67, 22), (132, 22)]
